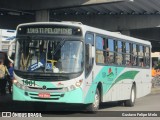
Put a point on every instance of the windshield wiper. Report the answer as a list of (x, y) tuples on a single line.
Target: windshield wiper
[(58, 46)]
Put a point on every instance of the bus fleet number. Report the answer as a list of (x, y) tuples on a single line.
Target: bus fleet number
[(29, 82)]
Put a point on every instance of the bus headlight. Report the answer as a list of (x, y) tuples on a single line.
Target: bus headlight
[(19, 85), (65, 89), (79, 83), (24, 87), (72, 87)]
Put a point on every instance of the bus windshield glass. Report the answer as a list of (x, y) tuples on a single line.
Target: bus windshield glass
[(49, 56)]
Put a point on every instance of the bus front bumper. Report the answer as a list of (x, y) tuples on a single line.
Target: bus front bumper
[(74, 96)]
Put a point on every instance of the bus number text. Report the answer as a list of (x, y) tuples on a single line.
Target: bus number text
[(29, 82)]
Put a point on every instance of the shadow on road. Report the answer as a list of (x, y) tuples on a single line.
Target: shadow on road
[(6, 104)]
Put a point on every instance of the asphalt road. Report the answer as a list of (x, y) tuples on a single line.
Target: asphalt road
[(149, 103)]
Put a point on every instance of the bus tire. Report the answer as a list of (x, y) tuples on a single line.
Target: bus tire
[(93, 107), (131, 101)]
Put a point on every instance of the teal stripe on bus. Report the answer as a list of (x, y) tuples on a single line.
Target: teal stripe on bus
[(108, 77)]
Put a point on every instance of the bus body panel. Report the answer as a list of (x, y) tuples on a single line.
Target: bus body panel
[(117, 84), (74, 96), (56, 90)]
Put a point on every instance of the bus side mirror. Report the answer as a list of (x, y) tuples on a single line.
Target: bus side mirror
[(10, 50), (88, 54)]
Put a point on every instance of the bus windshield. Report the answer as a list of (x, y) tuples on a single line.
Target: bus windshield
[(49, 56)]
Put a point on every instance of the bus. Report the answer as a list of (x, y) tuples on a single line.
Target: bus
[(68, 62)]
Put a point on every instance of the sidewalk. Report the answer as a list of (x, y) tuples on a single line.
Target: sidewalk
[(155, 90)]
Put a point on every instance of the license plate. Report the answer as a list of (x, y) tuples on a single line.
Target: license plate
[(44, 95)]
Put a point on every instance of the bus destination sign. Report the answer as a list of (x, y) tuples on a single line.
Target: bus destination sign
[(49, 30), (65, 31)]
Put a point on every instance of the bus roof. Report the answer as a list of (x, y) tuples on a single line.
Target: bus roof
[(115, 35), (91, 29)]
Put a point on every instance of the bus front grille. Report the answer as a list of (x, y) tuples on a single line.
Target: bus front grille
[(45, 98), (39, 88), (48, 90)]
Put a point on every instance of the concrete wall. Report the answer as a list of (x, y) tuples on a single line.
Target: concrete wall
[(140, 26), (48, 4), (39, 4), (11, 22), (113, 22)]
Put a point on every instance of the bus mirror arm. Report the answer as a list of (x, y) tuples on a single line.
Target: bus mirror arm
[(89, 54), (10, 60), (10, 50)]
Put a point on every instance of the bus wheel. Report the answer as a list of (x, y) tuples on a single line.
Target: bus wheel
[(132, 99), (93, 107)]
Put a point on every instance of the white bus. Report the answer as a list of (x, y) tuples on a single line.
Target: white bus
[(68, 62)]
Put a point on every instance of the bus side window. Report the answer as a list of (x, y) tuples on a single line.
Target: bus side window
[(111, 49), (119, 58), (134, 55), (105, 50), (140, 56), (147, 57), (99, 49), (128, 54)]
